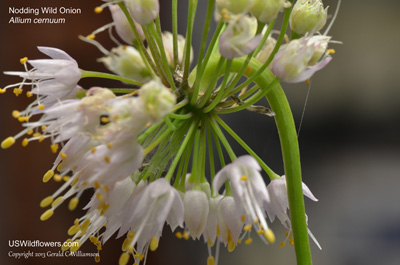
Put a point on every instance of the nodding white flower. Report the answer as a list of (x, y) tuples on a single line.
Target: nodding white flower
[(298, 60), (62, 70), (267, 10), (196, 212), (210, 229), (308, 16), (143, 11), (127, 62), (229, 221), (169, 51), (249, 191), (158, 203), (239, 38), (279, 204), (122, 25)]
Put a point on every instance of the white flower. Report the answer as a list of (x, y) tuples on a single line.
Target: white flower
[(279, 203), (238, 38), (169, 51), (196, 212), (249, 191), (308, 16), (297, 61), (122, 26), (210, 229), (229, 221), (267, 10)]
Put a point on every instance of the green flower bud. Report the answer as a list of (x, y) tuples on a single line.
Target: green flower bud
[(308, 16), (267, 10)]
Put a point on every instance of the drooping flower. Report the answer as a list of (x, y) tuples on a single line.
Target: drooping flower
[(196, 212), (239, 38), (279, 204), (249, 191), (297, 61), (122, 25)]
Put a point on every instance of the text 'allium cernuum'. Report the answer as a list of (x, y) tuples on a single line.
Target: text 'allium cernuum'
[(239, 38), (298, 60), (267, 10), (308, 16), (279, 204), (143, 11), (152, 145), (249, 192)]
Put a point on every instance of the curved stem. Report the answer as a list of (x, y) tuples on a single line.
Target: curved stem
[(86, 74)]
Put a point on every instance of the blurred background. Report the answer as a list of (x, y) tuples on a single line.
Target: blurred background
[(349, 142)]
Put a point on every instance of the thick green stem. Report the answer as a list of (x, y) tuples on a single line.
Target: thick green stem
[(290, 150)]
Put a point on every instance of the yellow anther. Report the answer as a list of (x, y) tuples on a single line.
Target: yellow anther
[(211, 244), (98, 10), (131, 235), (308, 81), (106, 188), (244, 177), (25, 142), (73, 203), (239, 241), (104, 119), (54, 148), (29, 132), (96, 185), (109, 145), (93, 150), (23, 60), (210, 260), (76, 246), (123, 260), (126, 244), (291, 242), (85, 224), (218, 233), (46, 201), (93, 239), (73, 230), (16, 114), (179, 235), (46, 215), (66, 244), (57, 178), (63, 155), (57, 201), (43, 127), (40, 106), (260, 232), (247, 227), (248, 241), (224, 14), (100, 197), (105, 208), (256, 220), (17, 91), (66, 178), (269, 235), (29, 94), (231, 246), (137, 255), (2, 90), (282, 244), (8, 142), (243, 218), (330, 51), (154, 244), (41, 138), (23, 119), (97, 258), (124, 47), (49, 174), (186, 235), (91, 37), (107, 159)]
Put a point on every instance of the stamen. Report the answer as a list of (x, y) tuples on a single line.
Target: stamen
[(231, 246), (76, 246), (247, 227), (23, 60), (330, 51), (73, 230), (123, 260), (97, 258), (46, 201), (269, 236), (98, 10), (16, 114), (40, 107), (57, 201), (54, 148), (29, 94), (179, 235), (2, 90), (65, 245), (248, 241), (154, 244), (210, 260), (49, 174), (57, 178), (73, 203), (25, 142)]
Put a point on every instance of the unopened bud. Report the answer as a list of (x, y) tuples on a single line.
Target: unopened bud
[(169, 50), (234, 6), (267, 10), (307, 16), (122, 25), (143, 11)]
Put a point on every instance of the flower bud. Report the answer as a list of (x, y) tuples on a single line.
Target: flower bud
[(196, 212), (267, 10), (298, 60), (266, 51), (143, 11), (307, 16), (122, 25), (169, 48), (238, 38), (127, 62), (158, 100)]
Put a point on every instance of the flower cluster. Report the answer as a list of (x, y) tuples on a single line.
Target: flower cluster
[(142, 150)]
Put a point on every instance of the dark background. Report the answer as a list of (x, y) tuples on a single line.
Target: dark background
[(349, 142)]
